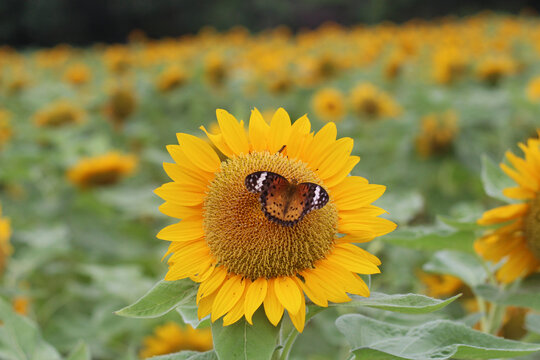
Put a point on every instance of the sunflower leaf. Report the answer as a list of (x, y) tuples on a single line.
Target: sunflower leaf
[(494, 180), (80, 352), (465, 266), (243, 341), (439, 339), (402, 303), (188, 355), (162, 298), (20, 339), (525, 296), (532, 323), (189, 315), (432, 239)]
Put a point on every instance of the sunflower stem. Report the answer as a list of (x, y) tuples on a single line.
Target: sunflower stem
[(288, 344)]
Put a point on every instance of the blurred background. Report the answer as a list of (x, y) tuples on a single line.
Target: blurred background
[(45, 23), (91, 92)]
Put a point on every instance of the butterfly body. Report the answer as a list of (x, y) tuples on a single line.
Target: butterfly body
[(284, 202)]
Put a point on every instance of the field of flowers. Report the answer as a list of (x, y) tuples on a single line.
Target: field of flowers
[(427, 110)]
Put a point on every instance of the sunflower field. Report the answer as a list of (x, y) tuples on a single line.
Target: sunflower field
[(367, 192)]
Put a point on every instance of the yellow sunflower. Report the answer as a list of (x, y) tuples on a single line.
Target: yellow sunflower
[(518, 240), (78, 74), (370, 103), (59, 113), (6, 130), (329, 104), (5, 246), (171, 338), (171, 78), (227, 241), (102, 170)]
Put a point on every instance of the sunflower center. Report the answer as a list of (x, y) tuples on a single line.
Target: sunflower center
[(532, 227), (243, 240)]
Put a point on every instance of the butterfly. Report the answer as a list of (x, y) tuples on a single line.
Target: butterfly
[(284, 202)]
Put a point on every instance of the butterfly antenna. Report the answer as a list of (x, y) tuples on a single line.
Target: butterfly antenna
[(282, 148)]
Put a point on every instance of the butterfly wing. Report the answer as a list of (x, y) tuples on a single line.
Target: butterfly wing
[(282, 202), (312, 196)]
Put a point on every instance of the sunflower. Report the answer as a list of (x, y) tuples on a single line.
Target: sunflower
[(328, 104), (5, 246), (441, 285), (533, 89), (227, 241), (77, 74), (371, 103), (493, 69), (171, 78), (6, 130), (517, 241), (171, 338), (59, 113), (103, 170), (121, 105), (437, 133), (21, 304)]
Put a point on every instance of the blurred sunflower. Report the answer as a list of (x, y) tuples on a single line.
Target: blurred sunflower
[(120, 105), (493, 69), (227, 242), (449, 64), (369, 102), (329, 104), (171, 78), (441, 285), (171, 338), (437, 134), (59, 113), (77, 74), (533, 89), (517, 242), (20, 304), (394, 65), (102, 170), (215, 70), (5, 246), (6, 130)]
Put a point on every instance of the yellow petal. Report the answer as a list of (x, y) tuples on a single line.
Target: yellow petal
[(343, 173), (288, 293), (228, 295), (503, 214), (378, 226), (272, 306), (519, 193), (258, 131), (205, 305), (299, 319), (357, 198), (255, 295), (352, 262), (312, 290), (184, 179), (321, 142), (359, 252), (185, 230), (233, 132), (334, 291), (179, 211), (335, 158), (280, 130), (219, 142), (186, 166), (212, 283), (199, 152), (237, 310), (298, 138), (181, 195)]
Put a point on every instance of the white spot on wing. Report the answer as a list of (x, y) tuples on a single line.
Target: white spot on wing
[(260, 181)]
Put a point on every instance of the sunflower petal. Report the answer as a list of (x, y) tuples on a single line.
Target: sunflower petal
[(228, 295), (280, 130), (288, 293), (272, 306), (258, 131), (233, 132), (202, 154), (255, 295)]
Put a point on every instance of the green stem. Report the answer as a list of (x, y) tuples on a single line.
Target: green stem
[(288, 345)]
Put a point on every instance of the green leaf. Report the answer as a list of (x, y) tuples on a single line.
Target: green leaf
[(188, 355), (80, 352), (243, 341), (20, 338), (432, 239), (465, 266), (189, 316), (467, 223), (162, 298), (440, 339), (494, 179), (532, 323), (524, 296), (402, 303)]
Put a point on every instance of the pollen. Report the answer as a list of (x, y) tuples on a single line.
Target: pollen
[(532, 227), (244, 241)]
